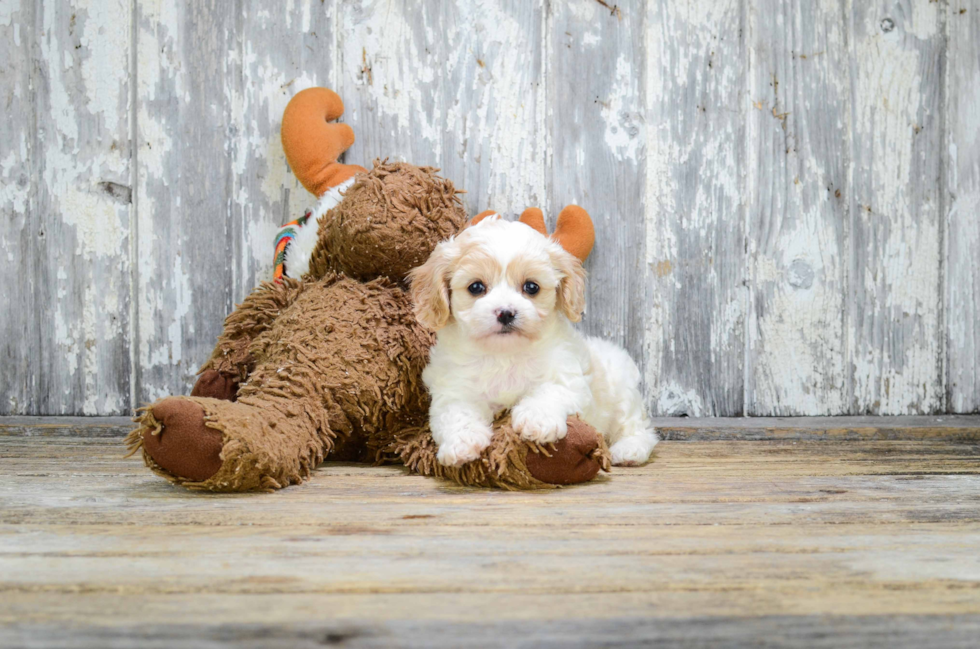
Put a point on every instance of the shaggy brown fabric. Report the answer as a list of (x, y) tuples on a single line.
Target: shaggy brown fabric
[(345, 359), (389, 222), (214, 384), (353, 350), (507, 463), (273, 456), (255, 315)]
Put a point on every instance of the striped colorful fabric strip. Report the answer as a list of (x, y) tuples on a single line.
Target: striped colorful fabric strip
[(286, 234)]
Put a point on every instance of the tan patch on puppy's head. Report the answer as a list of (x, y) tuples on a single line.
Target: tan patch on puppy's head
[(430, 286), (475, 264)]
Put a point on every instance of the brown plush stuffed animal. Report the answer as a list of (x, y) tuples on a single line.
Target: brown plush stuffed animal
[(330, 364)]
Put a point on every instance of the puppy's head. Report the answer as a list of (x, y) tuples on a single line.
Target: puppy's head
[(500, 281)]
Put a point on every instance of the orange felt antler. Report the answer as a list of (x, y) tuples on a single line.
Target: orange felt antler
[(573, 230), (312, 144)]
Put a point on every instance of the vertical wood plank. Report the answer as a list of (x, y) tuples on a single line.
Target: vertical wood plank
[(895, 297), (189, 76), (962, 150), (797, 207), (450, 84), (285, 48), (595, 73), (82, 263), (19, 333), (695, 230)]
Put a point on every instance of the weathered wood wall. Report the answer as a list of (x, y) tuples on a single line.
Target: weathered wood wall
[(786, 193)]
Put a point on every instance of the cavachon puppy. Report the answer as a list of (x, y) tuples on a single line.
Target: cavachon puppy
[(502, 297)]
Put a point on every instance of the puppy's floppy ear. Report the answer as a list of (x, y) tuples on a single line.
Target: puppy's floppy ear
[(430, 287), (571, 286)]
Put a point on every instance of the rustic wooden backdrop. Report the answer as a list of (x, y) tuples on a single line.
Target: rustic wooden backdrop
[(786, 191)]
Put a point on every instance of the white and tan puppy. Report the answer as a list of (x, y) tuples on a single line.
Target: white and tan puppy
[(501, 297)]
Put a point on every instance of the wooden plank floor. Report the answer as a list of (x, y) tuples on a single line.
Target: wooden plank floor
[(816, 541)]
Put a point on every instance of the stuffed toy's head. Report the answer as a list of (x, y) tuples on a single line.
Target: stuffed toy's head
[(389, 222), (390, 218)]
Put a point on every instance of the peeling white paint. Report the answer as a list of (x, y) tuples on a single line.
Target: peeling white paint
[(925, 19), (7, 10), (13, 196), (461, 93), (675, 401), (78, 142), (962, 147), (400, 68), (894, 356), (693, 201), (623, 121), (105, 36), (159, 29), (472, 86), (72, 182), (182, 305)]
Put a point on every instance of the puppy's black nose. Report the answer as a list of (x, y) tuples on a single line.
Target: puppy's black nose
[(505, 317)]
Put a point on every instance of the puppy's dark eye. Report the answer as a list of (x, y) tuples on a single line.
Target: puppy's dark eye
[(476, 288), (531, 288)]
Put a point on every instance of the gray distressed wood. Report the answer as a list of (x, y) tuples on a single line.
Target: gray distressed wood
[(282, 48), (82, 207), (895, 298), (797, 207), (695, 226), (20, 338), (775, 632), (456, 85), (189, 76), (962, 165), (726, 261), (595, 81)]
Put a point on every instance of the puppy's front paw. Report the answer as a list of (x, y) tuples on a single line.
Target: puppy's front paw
[(633, 451), (464, 445), (540, 425)]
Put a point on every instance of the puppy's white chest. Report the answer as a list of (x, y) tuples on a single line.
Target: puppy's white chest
[(505, 386)]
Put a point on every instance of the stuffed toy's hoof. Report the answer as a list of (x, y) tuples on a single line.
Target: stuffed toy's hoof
[(180, 443), (574, 459), (214, 384)]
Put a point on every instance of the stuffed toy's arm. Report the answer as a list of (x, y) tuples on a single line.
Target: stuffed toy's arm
[(296, 240)]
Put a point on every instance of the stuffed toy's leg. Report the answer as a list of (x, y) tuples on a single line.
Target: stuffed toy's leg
[(214, 445), (510, 462), (231, 362)]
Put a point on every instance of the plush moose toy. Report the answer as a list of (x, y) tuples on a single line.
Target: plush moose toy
[(326, 361)]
